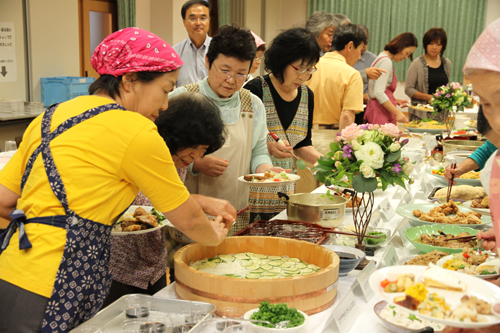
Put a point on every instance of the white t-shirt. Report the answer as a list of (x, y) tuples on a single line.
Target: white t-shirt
[(486, 172)]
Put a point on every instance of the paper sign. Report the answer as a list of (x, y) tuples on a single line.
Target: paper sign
[(386, 210), (362, 281), (407, 198), (390, 257), (8, 64), (376, 217), (401, 230), (346, 312), (398, 194)]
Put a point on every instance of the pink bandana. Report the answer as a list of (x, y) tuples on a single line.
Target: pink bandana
[(134, 50), (258, 40), (485, 53)]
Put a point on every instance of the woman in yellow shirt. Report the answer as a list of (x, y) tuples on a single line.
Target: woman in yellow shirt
[(80, 165)]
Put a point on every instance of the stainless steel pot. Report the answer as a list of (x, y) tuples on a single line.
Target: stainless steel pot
[(454, 145), (315, 207)]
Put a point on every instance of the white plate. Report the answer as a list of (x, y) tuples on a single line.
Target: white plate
[(407, 211), (117, 230), (468, 123), (423, 130), (404, 260), (483, 211), (460, 181), (292, 177), (276, 330), (484, 290), (490, 276)]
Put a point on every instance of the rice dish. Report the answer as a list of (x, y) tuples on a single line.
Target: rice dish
[(397, 316)]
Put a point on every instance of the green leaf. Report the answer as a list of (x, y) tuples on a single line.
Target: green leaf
[(412, 317), (301, 164), (400, 182), (340, 176), (362, 184), (393, 157), (334, 146)]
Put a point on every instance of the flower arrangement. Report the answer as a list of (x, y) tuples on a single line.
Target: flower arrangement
[(446, 97), (362, 153)]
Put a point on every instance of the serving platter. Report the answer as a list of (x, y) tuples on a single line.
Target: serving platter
[(117, 230), (414, 233), (293, 178), (407, 211), (423, 130), (460, 181), (475, 287), (443, 260), (393, 327), (484, 211)]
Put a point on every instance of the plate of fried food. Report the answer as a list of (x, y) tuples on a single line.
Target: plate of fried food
[(481, 206), (439, 295), (269, 178), (425, 126), (139, 220), (444, 238), (481, 264), (447, 213), (472, 178), (423, 259)]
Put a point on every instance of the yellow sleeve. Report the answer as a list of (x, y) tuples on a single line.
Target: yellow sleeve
[(353, 97), (148, 164)]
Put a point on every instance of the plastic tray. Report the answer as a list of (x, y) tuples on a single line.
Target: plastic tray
[(63, 88), (113, 315), (315, 227)]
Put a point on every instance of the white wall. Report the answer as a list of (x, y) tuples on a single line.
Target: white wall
[(143, 14), (492, 11)]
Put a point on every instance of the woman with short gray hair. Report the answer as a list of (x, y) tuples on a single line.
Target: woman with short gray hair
[(322, 25)]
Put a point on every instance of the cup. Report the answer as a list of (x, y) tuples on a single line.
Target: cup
[(150, 324), (10, 145), (84, 328), (230, 312), (194, 312), (137, 305), (243, 328)]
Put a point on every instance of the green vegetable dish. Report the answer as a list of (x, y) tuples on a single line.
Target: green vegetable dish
[(254, 266), (276, 313), (375, 241)]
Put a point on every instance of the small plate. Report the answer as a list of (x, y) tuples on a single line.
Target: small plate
[(460, 181), (483, 211), (395, 328), (293, 178), (482, 289), (407, 211), (485, 277), (117, 230)]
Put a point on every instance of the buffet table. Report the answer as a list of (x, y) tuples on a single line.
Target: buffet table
[(469, 112), (382, 217)]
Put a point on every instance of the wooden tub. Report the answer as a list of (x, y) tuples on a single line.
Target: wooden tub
[(311, 293)]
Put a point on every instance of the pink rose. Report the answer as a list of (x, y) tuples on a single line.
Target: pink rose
[(370, 127), (390, 129), (350, 133), (456, 85), (376, 126), (337, 164)]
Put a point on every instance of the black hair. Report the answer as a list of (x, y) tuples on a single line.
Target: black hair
[(110, 85), (400, 42), (483, 126), (191, 3), (289, 46), (232, 41), (191, 120), (348, 33), (367, 32), (435, 34)]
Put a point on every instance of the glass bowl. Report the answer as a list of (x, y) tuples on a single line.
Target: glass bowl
[(383, 233)]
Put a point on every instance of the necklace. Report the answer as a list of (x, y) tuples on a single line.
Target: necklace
[(433, 63)]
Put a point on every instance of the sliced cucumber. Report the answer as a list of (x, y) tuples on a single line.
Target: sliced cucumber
[(261, 256), (275, 270), (267, 277), (291, 269), (288, 264), (314, 267), (246, 263), (300, 265), (227, 257), (259, 270), (252, 276), (275, 263), (306, 271), (266, 267), (274, 257), (241, 256), (209, 264), (252, 267), (294, 259), (203, 260), (216, 260), (267, 274), (251, 255)]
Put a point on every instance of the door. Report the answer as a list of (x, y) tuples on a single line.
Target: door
[(98, 19)]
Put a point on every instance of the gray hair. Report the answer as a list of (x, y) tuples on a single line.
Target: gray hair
[(319, 21), (342, 19)]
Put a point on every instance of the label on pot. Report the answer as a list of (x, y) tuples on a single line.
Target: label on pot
[(330, 214)]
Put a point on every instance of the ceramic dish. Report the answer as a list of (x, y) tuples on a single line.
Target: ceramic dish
[(404, 260), (423, 130), (407, 211), (483, 211), (344, 252), (277, 330), (460, 181), (292, 179), (471, 124), (414, 233), (117, 230), (475, 287), (489, 276), (393, 327)]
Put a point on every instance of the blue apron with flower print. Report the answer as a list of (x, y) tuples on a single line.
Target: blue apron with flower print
[(83, 279)]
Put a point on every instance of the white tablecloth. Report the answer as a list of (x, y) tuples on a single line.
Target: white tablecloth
[(367, 320)]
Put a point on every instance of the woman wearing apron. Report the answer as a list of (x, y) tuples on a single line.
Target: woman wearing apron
[(79, 167), (381, 107), (289, 107), (229, 59)]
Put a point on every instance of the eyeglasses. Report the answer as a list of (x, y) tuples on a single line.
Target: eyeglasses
[(301, 71), (195, 19), (257, 58), (226, 76)]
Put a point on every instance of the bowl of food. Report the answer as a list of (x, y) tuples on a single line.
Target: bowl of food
[(399, 321), (428, 238), (383, 233), (276, 314), (349, 257), (345, 240)]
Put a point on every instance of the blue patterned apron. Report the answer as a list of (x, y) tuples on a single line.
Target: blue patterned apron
[(83, 279)]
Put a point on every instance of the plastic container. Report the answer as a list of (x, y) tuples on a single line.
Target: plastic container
[(63, 88)]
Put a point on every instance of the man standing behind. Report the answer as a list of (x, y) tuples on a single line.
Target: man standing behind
[(338, 88), (192, 50), (322, 25)]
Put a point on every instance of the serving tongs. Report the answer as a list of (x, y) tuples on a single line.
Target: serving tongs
[(450, 183), (462, 239)]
